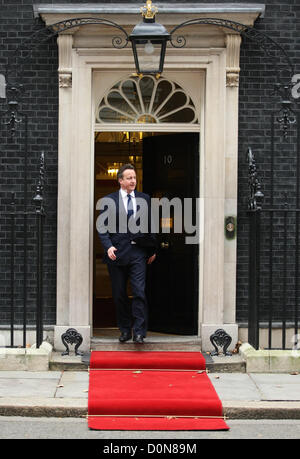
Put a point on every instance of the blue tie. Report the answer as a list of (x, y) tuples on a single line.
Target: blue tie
[(129, 207)]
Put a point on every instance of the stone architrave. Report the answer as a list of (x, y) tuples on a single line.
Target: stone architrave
[(90, 48)]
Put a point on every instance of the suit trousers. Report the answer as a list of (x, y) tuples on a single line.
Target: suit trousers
[(130, 315)]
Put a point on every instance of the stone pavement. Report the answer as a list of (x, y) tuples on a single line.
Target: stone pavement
[(65, 394)]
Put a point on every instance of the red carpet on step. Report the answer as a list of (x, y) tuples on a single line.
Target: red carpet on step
[(143, 390)]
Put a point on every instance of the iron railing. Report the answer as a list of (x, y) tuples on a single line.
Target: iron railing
[(274, 251), (273, 274), (22, 219)]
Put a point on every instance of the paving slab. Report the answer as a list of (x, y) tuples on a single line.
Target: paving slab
[(28, 387), (277, 387), (234, 386), (73, 384), (30, 374)]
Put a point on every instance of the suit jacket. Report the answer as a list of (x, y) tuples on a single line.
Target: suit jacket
[(113, 227)]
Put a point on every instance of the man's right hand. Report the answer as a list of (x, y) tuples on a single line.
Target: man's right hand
[(111, 253)]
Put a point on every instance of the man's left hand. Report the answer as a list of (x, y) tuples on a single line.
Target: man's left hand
[(151, 259)]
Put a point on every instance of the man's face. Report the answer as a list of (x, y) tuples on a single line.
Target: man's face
[(128, 182)]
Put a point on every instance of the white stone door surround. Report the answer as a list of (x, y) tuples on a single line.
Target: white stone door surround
[(210, 51)]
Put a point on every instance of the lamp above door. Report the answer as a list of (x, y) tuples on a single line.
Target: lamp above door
[(149, 40)]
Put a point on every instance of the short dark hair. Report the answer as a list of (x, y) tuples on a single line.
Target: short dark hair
[(124, 168)]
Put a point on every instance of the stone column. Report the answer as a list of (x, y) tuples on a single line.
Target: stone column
[(66, 315), (65, 43), (220, 311), (213, 162), (233, 42), (81, 207)]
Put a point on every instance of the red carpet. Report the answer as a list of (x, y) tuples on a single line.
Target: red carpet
[(141, 390)]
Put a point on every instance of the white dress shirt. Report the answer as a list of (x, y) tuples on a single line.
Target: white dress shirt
[(124, 195)]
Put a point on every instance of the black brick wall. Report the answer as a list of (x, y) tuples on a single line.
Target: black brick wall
[(40, 104), (257, 105)]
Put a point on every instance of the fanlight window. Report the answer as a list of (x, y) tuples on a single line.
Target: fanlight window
[(146, 100)]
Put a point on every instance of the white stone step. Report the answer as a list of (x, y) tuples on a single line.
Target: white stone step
[(108, 339)]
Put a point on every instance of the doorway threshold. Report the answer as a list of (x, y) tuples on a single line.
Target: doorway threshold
[(107, 339)]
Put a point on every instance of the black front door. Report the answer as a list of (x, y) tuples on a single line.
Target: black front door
[(171, 170)]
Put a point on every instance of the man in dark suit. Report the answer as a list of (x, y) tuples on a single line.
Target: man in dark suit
[(127, 251)]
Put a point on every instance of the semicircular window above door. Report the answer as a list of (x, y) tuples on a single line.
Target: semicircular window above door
[(146, 100)]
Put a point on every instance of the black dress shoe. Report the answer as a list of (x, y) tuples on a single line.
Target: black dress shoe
[(124, 337), (138, 339)]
